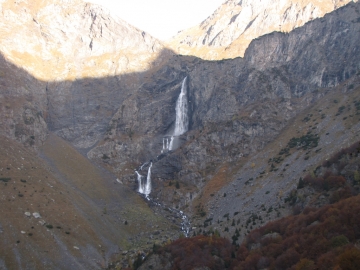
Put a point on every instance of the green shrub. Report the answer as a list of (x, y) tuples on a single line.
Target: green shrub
[(5, 179), (339, 241)]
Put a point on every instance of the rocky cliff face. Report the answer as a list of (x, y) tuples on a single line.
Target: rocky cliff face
[(23, 105), (242, 111), (66, 40), (230, 29), (236, 106), (60, 43)]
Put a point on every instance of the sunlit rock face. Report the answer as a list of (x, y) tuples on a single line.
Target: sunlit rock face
[(63, 47), (57, 40), (230, 29)]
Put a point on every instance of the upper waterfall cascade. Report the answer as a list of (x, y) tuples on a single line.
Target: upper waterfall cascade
[(148, 181), (182, 120)]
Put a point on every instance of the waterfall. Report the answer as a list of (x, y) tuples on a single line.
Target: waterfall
[(171, 144), (141, 186), (181, 116), (181, 126), (165, 145), (142, 166), (181, 120), (148, 181), (144, 187)]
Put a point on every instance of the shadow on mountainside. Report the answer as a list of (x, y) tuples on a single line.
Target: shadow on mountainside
[(237, 106)]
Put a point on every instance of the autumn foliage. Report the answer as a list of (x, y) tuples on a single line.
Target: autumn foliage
[(326, 182), (352, 150), (323, 239), (316, 239), (210, 251)]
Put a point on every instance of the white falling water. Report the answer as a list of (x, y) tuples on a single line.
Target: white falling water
[(142, 166), (171, 144), (181, 120), (166, 144), (148, 181), (141, 185), (144, 187)]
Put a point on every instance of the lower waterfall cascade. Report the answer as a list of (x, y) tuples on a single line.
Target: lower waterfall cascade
[(144, 185)]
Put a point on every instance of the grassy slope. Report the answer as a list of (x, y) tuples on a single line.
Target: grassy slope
[(85, 205)]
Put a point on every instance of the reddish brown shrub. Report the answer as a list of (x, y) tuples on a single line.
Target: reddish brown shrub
[(287, 259), (340, 195), (305, 264), (320, 239), (350, 259), (200, 251), (352, 150), (326, 261), (334, 182)]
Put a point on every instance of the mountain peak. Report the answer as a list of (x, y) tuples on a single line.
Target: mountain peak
[(60, 39), (230, 29)]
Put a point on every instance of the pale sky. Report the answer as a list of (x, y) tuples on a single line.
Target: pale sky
[(161, 18)]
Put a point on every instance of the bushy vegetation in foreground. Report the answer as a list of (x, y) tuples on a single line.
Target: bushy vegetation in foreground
[(325, 238), (316, 238)]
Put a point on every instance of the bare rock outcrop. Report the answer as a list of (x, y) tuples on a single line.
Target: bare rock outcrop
[(230, 29), (61, 46), (236, 106), (66, 40)]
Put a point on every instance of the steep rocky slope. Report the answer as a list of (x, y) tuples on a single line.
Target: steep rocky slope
[(59, 43), (325, 238), (237, 106), (264, 183), (230, 29), (60, 211), (23, 105), (66, 40), (242, 114), (51, 54)]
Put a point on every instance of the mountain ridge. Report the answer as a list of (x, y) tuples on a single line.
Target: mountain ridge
[(240, 111), (230, 29), (92, 44)]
